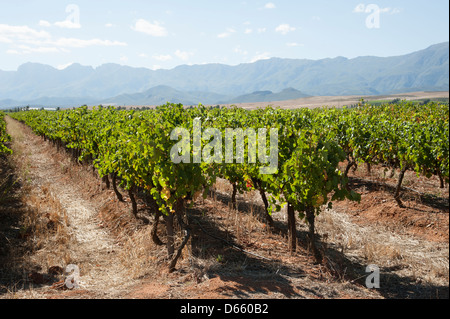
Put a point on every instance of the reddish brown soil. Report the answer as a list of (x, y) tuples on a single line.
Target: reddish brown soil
[(426, 212)]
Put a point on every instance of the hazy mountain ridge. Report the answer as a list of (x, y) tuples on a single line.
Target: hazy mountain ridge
[(162, 94), (213, 83), (267, 96)]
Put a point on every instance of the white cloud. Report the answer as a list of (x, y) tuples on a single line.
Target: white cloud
[(4, 39), (226, 34), (29, 50), (390, 10), (248, 31), (61, 45), (293, 44), (284, 29), (44, 23), (80, 43), (382, 10), (10, 33), (123, 59), (270, 5), (13, 52), (25, 40), (183, 55), (67, 24), (154, 29), (45, 50), (109, 25), (260, 56), (163, 57), (262, 30), (360, 8), (239, 50), (64, 66)]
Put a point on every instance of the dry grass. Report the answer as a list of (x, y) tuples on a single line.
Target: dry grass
[(40, 237), (140, 255), (47, 226), (348, 245), (415, 258)]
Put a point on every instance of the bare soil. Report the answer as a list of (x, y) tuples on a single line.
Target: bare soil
[(339, 101), (62, 214), (334, 101)]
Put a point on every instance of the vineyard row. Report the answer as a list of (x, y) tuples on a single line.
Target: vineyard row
[(134, 149)]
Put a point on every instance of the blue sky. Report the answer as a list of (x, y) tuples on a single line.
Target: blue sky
[(165, 34)]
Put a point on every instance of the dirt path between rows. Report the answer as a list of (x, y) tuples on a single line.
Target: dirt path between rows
[(129, 266), (89, 246)]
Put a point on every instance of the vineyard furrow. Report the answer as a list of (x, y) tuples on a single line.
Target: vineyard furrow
[(82, 242)]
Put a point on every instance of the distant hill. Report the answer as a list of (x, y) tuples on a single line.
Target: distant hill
[(425, 70), (162, 94), (267, 96)]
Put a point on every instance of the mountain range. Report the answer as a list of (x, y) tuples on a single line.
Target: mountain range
[(38, 84)]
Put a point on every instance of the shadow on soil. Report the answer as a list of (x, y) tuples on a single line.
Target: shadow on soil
[(427, 199), (244, 274), (13, 237), (247, 274)]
